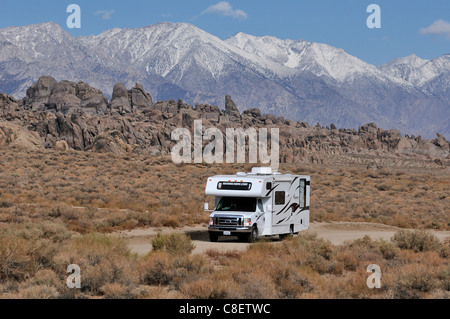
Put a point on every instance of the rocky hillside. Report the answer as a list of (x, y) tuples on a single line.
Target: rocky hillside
[(78, 116)]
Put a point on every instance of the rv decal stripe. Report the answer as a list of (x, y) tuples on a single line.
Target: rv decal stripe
[(294, 181), (272, 190), (302, 210), (284, 207), (294, 207)]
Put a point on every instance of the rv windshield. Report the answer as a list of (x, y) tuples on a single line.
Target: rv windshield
[(236, 204)]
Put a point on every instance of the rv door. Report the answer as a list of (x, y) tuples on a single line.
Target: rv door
[(282, 199)]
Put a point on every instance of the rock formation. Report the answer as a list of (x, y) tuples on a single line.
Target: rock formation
[(65, 97), (82, 117), (134, 100), (69, 98), (61, 146)]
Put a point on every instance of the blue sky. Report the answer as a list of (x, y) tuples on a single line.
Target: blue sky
[(421, 27)]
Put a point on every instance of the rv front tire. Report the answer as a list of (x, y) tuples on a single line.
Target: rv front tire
[(253, 235)]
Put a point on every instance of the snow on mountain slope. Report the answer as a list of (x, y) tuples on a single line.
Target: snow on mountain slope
[(320, 59), (415, 70), (157, 48), (163, 47), (28, 52), (33, 37)]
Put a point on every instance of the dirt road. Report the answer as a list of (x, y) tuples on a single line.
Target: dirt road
[(139, 240)]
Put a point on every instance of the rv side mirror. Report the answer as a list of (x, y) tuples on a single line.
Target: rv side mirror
[(206, 207), (269, 208)]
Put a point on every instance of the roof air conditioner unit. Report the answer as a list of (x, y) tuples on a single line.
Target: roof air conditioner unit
[(262, 170)]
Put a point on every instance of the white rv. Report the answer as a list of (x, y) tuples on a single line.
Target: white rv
[(260, 203)]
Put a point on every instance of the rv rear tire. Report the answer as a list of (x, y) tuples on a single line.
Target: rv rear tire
[(288, 235)]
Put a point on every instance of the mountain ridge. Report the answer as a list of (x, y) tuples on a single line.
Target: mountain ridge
[(308, 81)]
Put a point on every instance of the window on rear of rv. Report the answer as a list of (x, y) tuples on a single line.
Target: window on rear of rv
[(280, 198)]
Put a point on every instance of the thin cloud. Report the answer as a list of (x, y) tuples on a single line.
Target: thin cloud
[(439, 27), (225, 9), (105, 14)]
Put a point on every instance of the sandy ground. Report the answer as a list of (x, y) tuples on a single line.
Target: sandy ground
[(139, 240)]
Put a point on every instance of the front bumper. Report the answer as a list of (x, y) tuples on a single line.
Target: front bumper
[(234, 230)]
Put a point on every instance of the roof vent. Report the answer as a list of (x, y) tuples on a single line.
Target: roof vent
[(262, 170), (241, 174)]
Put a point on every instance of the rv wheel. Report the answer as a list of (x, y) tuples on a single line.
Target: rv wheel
[(288, 235), (253, 235)]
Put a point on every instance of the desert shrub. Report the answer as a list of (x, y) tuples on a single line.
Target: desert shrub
[(211, 285), (173, 244), (161, 268), (38, 292), (417, 240), (44, 277), (15, 259), (336, 268), (255, 285), (323, 249), (292, 282), (187, 268), (444, 251), (444, 278), (154, 269), (6, 204), (318, 264), (383, 187), (117, 291), (352, 285), (171, 222), (26, 248), (348, 259), (199, 289), (102, 260), (413, 282), (388, 250), (215, 253)]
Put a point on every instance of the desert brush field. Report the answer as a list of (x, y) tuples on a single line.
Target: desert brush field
[(60, 208)]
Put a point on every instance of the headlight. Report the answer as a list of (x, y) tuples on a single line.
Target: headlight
[(247, 222), (211, 221)]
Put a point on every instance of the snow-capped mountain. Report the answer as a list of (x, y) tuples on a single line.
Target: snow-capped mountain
[(415, 70), (189, 57), (433, 76), (320, 59), (30, 51), (363, 91), (298, 79)]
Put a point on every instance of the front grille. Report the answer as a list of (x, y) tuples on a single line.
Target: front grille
[(228, 221)]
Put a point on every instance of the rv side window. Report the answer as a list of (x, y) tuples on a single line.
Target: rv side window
[(302, 194), (280, 198), (260, 205)]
